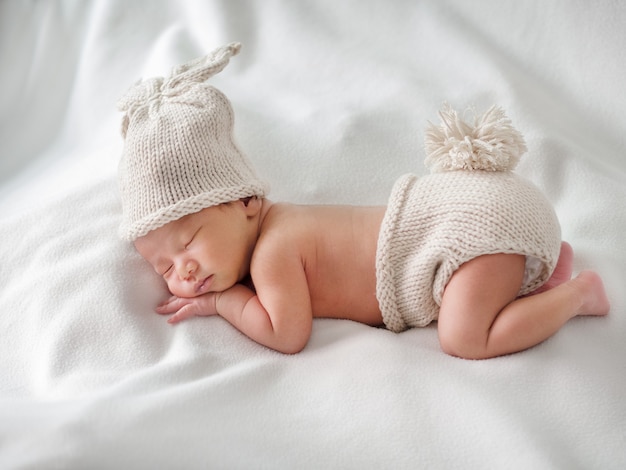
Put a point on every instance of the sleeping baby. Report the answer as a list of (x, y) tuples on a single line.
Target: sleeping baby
[(472, 245)]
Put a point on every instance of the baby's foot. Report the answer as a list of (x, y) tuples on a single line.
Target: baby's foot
[(590, 287), (563, 270)]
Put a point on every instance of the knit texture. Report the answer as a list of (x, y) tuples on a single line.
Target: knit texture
[(490, 144), (436, 223), (179, 154), (471, 205)]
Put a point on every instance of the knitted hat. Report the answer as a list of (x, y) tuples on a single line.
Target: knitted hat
[(179, 155)]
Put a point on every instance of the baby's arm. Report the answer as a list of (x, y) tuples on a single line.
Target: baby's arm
[(278, 316)]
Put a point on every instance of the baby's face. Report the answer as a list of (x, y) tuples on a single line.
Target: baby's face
[(203, 252)]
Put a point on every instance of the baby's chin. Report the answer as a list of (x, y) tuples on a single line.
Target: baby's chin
[(185, 293), (203, 287)]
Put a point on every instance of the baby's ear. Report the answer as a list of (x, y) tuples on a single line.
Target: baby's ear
[(251, 205)]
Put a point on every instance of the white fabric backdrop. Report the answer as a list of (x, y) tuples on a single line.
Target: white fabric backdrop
[(331, 99)]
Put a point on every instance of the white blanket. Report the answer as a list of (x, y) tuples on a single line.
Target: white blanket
[(331, 100)]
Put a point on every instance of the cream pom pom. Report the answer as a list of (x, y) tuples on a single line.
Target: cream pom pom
[(491, 144)]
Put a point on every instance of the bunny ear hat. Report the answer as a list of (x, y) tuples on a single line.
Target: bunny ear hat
[(179, 155)]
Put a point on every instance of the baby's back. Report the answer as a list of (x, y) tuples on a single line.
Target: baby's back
[(338, 249)]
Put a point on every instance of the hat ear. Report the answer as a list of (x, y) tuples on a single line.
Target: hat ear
[(143, 92), (203, 68)]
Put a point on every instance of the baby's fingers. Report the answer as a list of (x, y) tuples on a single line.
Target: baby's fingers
[(185, 312), (172, 305)]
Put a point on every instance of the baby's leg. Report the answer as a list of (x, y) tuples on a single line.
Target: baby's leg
[(480, 317)]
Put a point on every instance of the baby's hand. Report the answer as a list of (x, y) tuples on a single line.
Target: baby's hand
[(183, 308)]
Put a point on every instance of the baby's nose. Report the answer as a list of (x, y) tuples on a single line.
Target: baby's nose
[(187, 270)]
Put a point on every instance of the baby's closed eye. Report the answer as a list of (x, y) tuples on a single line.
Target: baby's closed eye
[(192, 238)]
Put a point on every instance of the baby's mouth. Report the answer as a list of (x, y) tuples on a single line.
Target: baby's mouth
[(203, 286)]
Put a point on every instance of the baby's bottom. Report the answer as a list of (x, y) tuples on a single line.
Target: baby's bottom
[(480, 316)]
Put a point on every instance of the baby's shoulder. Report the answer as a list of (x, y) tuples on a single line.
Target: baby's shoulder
[(285, 242), (284, 224), (301, 229), (285, 220)]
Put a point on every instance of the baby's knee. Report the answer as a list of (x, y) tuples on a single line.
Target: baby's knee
[(458, 343), (450, 343)]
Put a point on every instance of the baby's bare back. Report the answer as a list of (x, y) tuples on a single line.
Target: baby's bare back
[(338, 249)]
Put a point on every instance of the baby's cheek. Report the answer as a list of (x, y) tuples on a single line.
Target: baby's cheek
[(175, 288), (181, 290)]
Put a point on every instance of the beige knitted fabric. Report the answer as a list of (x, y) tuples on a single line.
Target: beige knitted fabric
[(179, 155), (436, 223)]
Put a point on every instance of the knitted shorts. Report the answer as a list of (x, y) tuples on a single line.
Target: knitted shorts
[(435, 223)]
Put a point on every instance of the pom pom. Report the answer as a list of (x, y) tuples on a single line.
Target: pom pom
[(491, 144)]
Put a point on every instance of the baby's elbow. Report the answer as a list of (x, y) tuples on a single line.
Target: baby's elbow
[(292, 345), (292, 342), (291, 348)]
